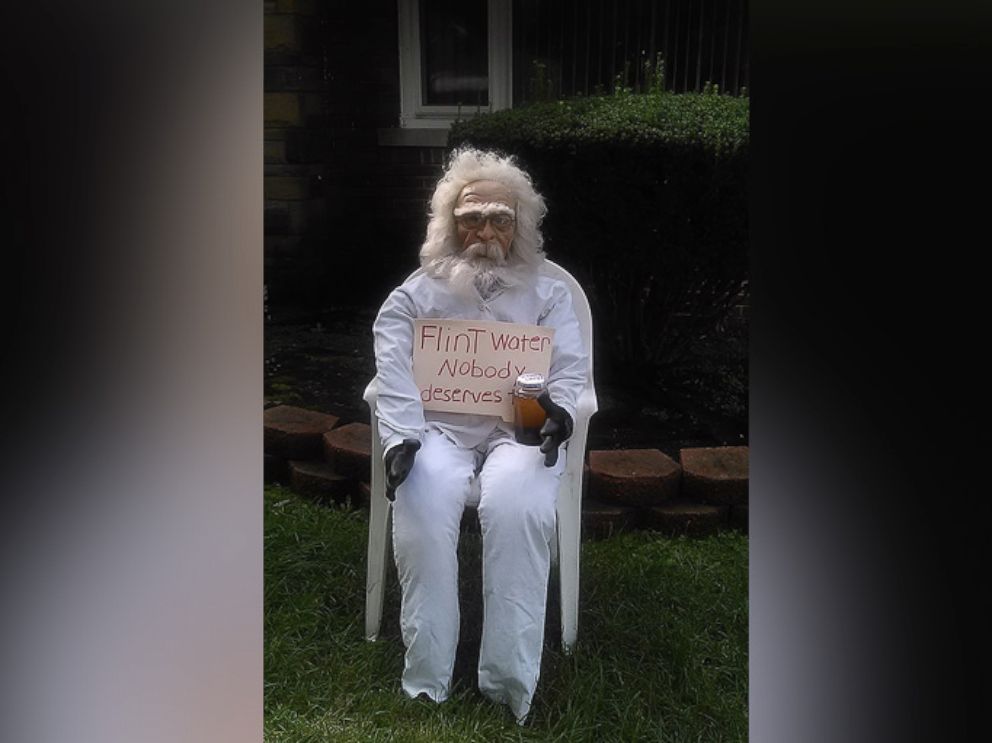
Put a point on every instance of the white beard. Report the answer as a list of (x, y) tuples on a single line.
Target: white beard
[(481, 269)]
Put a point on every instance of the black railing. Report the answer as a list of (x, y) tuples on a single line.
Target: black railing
[(563, 48)]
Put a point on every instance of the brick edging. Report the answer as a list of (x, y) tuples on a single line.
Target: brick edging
[(706, 491)]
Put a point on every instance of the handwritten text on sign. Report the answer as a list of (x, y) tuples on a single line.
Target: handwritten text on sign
[(469, 366)]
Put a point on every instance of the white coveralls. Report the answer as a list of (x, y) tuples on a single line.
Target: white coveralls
[(516, 496)]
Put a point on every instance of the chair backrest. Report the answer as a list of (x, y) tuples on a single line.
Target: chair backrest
[(580, 305)]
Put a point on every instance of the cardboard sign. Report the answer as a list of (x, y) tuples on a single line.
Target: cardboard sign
[(469, 366)]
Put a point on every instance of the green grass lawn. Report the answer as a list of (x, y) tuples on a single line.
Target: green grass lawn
[(661, 654)]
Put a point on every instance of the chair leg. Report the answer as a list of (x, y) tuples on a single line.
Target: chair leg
[(568, 566), (375, 582)]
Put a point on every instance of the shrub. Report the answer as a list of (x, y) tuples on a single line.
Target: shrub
[(647, 206)]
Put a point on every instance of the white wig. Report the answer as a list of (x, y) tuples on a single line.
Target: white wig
[(467, 165)]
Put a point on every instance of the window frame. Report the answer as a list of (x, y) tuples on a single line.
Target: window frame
[(413, 113)]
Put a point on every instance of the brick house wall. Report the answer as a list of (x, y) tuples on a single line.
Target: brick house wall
[(344, 214), (345, 207)]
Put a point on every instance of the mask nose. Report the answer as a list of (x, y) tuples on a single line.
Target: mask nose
[(486, 232)]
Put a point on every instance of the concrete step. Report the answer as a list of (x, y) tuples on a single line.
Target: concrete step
[(633, 477), (274, 468), (363, 494), (717, 475), (318, 480), (683, 517), (295, 433), (348, 450), (739, 518), (601, 519)]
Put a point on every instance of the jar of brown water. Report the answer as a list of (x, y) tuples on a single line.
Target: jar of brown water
[(528, 415)]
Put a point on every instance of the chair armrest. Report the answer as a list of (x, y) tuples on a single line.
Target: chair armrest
[(371, 393), (587, 404)]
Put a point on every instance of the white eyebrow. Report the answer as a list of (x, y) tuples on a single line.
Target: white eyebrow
[(487, 209)]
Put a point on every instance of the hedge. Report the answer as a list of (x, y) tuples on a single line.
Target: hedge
[(647, 206)]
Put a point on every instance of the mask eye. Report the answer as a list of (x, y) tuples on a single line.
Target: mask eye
[(502, 221), (471, 221)]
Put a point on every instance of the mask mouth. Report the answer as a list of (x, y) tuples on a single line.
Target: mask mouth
[(491, 251)]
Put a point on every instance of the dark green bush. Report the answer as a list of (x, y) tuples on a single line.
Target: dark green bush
[(647, 206)]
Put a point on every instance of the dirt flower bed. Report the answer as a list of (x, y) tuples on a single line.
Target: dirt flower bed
[(323, 360)]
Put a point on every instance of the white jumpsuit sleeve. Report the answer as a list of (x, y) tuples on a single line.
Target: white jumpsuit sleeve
[(569, 357), (398, 407)]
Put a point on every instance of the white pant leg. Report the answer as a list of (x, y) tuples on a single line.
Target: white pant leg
[(427, 515), (517, 515)]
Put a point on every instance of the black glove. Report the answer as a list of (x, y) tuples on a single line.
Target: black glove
[(399, 462), (556, 429)]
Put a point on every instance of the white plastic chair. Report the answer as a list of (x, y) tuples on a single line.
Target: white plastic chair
[(569, 508)]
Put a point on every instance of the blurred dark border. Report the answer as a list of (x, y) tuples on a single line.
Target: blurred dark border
[(133, 356)]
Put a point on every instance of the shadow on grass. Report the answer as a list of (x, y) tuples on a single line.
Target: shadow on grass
[(661, 655)]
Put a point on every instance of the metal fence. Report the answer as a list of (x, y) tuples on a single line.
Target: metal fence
[(563, 48)]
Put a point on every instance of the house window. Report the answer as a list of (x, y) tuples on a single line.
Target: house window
[(470, 56), (454, 60), (454, 57)]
